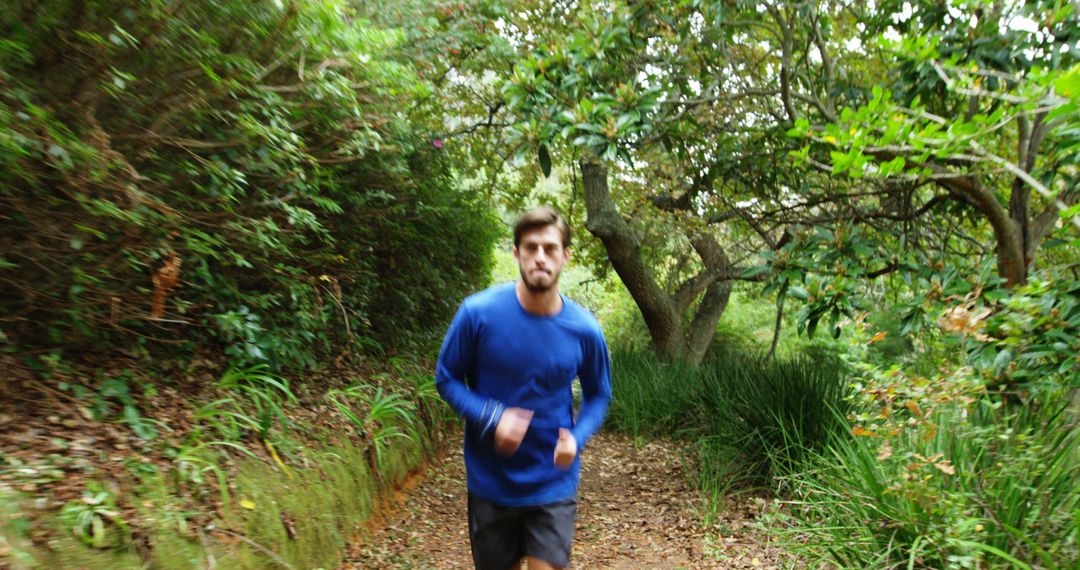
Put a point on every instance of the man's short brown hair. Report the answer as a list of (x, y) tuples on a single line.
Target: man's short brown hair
[(539, 218)]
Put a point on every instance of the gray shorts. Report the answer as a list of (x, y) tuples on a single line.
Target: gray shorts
[(502, 536)]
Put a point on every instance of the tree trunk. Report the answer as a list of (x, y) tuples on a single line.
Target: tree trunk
[(624, 252), (663, 313), (1010, 255), (1008, 232), (702, 329)]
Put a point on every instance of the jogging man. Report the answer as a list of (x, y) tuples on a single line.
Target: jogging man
[(506, 365)]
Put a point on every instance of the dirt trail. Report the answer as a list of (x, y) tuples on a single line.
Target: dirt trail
[(635, 510)]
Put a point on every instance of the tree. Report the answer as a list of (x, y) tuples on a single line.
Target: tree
[(638, 82), (978, 108), (706, 87)]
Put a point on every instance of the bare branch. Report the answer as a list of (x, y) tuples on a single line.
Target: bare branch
[(826, 59), (950, 83), (817, 103), (489, 122)]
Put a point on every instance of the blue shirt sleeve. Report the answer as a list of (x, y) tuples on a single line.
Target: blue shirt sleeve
[(595, 376), (453, 367)]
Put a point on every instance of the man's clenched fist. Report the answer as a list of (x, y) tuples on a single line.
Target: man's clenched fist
[(511, 430), (565, 449)]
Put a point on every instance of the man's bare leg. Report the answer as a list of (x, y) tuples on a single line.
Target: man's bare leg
[(537, 564)]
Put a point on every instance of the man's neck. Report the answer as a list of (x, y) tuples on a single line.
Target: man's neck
[(543, 303)]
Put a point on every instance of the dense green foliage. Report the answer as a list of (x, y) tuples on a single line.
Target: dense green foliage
[(914, 131), (990, 487), (219, 172), (924, 199), (240, 191), (958, 450)]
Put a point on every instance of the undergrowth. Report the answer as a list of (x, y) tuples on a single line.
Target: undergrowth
[(256, 479)]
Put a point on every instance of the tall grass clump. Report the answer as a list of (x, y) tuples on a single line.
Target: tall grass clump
[(652, 396), (989, 485), (750, 419), (767, 416)]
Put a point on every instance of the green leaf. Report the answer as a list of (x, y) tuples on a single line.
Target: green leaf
[(97, 539), (1002, 360), (611, 152), (545, 160), (1064, 110), (1068, 85), (895, 165), (1070, 212), (755, 270), (841, 161), (992, 550)]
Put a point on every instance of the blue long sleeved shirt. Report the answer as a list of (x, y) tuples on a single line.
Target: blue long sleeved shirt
[(497, 355)]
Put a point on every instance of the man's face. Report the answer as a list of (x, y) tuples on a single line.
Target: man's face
[(541, 257)]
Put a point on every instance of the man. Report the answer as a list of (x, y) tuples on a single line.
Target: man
[(507, 365)]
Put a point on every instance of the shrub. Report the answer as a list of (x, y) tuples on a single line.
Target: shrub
[(227, 174), (770, 415), (92, 517), (991, 487), (651, 397)]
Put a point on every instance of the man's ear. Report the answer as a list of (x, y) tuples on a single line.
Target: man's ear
[(516, 252), (566, 254)]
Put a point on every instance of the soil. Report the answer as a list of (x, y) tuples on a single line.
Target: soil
[(636, 509)]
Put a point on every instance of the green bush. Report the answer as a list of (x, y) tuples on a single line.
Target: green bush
[(229, 174), (651, 397), (1032, 338), (92, 517), (255, 403), (992, 487)]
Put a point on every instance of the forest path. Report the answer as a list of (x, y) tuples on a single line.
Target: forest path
[(636, 509)]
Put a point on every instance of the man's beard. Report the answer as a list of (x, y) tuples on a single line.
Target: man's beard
[(537, 287)]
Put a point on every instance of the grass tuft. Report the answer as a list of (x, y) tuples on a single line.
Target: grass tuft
[(751, 419)]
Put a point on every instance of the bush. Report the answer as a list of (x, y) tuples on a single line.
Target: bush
[(992, 487), (652, 397), (228, 174)]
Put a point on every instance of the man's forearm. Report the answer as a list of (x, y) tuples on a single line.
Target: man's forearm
[(477, 410)]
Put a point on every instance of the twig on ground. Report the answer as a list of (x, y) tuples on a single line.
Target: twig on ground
[(269, 553)]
